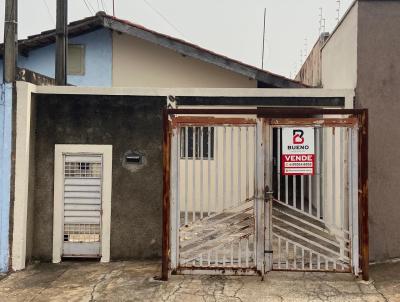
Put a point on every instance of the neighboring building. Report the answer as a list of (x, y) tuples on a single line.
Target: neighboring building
[(310, 73), (362, 53), (110, 52)]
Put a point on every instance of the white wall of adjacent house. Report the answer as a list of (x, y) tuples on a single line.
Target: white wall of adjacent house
[(339, 55), (339, 71), (138, 63)]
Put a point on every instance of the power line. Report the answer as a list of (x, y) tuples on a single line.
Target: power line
[(103, 6), (50, 14), (84, 1), (89, 7), (164, 18)]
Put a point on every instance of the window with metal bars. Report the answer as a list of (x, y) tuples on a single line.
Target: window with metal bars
[(82, 169), (204, 142)]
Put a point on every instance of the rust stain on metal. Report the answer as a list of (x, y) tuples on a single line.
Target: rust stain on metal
[(207, 121), (312, 271), (363, 194), (328, 122)]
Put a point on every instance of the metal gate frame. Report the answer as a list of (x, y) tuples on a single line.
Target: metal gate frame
[(265, 113)]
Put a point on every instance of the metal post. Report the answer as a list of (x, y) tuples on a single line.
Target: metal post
[(61, 42), (10, 41), (166, 197), (259, 195), (363, 191)]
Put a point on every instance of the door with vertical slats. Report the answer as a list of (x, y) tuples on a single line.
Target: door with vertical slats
[(82, 193)]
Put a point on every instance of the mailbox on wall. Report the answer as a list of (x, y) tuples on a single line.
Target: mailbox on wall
[(134, 158)]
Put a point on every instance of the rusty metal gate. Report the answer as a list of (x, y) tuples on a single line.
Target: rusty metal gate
[(228, 208)]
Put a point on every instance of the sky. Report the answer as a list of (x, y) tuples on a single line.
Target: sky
[(230, 27)]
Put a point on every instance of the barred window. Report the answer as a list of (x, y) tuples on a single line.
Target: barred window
[(204, 142)]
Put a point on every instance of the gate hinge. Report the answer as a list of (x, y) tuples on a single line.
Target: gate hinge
[(269, 252)]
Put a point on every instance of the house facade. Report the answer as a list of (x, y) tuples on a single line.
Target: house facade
[(362, 54), (107, 52), (90, 159)]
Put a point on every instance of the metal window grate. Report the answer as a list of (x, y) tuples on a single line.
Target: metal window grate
[(82, 169), (200, 142), (81, 232)]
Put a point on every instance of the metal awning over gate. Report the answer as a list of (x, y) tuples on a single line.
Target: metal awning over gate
[(229, 208)]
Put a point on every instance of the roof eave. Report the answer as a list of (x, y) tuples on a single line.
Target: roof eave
[(201, 54)]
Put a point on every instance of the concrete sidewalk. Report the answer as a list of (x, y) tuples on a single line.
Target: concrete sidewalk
[(133, 281)]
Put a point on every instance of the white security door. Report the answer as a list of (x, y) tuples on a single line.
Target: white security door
[(82, 195)]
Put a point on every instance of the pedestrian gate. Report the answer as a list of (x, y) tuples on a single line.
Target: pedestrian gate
[(82, 205), (234, 208)]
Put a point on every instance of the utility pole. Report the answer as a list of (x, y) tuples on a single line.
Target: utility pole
[(61, 42), (10, 41)]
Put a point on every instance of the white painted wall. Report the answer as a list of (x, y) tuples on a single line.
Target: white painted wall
[(339, 55), (137, 63), (339, 71)]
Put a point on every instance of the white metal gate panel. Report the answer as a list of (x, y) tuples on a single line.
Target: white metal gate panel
[(213, 213), (313, 215), (82, 195)]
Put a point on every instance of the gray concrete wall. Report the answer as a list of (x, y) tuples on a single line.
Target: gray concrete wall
[(127, 123), (378, 90)]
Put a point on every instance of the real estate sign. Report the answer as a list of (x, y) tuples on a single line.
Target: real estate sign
[(298, 156)]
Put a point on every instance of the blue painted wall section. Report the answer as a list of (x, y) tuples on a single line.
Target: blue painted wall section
[(5, 171), (98, 72), (98, 60)]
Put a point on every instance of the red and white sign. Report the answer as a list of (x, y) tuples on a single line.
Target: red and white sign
[(298, 156)]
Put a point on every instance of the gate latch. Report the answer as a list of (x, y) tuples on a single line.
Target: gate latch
[(268, 194)]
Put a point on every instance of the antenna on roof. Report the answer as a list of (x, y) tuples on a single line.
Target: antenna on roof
[(338, 11), (113, 8), (263, 41), (305, 48), (320, 20), (301, 58)]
